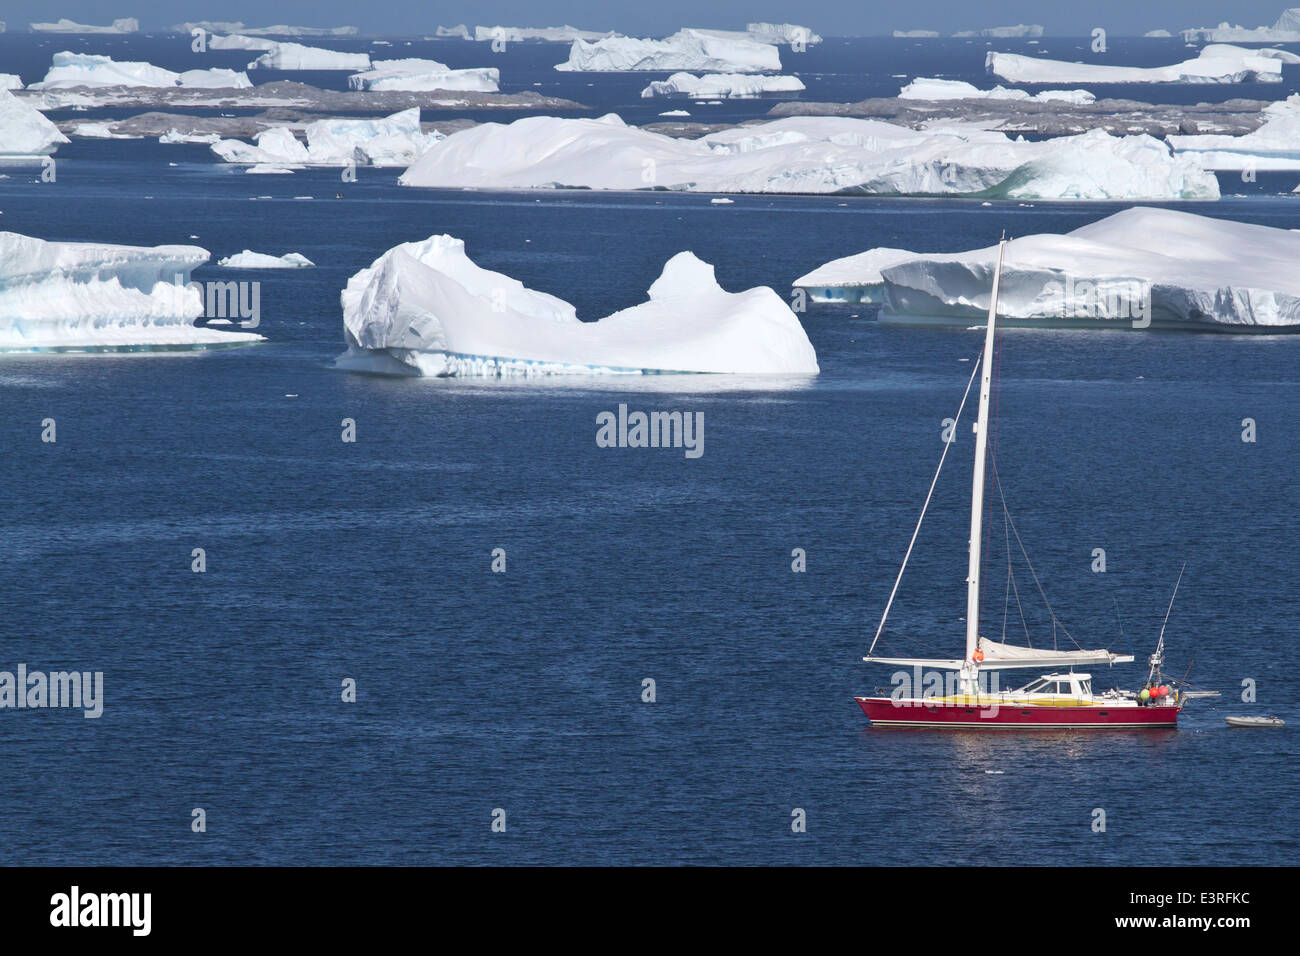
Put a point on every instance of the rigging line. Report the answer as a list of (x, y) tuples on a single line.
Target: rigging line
[(916, 531), (1029, 564)]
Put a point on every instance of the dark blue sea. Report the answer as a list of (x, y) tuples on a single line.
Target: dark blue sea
[(523, 690)]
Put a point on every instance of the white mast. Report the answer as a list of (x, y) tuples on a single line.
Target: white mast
[(970, 669)]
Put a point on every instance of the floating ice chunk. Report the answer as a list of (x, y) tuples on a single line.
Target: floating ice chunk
[(94, 295), (1157, 33), (176, 136), (260, 260), (24, 131), (426, 308), (395, 140), (1139, 268), (928, 88), (782, 33), (1274, 146), (853, 278), (417, 75), (807, 155), (69, 70), (1217, 63), (123, 25), (295, 56), (690, 50), (722, 84)]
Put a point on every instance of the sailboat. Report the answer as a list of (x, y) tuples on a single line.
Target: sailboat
[(956, 693)]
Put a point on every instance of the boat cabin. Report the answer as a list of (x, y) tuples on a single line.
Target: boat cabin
[(1060, 685)]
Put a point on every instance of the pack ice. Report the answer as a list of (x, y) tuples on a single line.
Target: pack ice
[(1140, 268), (24, 132), (808, 154), (1217, 63), (69, 70), (686, 50), (394, 140), (87, 295), (425, 308)]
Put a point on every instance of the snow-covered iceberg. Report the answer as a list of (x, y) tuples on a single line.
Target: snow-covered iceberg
[(1274, 146), (686, 50), (70, 70), (929, 88), (1285, 30), (1216, 63), (853, 278), (87, 295), (722, 85), (10, 81), (119, 26), (295, 56), (425, 308), (810, 154), (564, 34), (417, 74), (395, 140), (24, 132), (1140, 268), (248, 259)]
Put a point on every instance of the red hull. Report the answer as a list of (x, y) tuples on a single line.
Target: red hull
[(885, 712)]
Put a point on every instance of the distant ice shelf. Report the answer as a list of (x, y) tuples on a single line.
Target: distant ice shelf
[(88, 296), (1216, 63), (425, 308)]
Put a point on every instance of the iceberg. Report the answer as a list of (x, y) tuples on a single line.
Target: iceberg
[(1020, 30), (813, 154), (725, 85), (855, 278), (1157, 33), (10, 81), (687, 50), (916, 34), (785, 33), (1285, 30), (395, 140), (239, 42), (1140, 268), (123, 25), (1217, 63), (1275, 146), (295, 56), (280, 30), (416, 74), (927, 88), (260, 260), (72, 70), (87, 295), (425, 308), (460, 32), (564, 34), (24, 132)]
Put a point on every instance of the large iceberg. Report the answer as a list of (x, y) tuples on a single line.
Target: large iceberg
[(1217, 63), (119, 26), (71, 70), (395, 140), (425, 308), (929, 88), (88, 295), (1274, 146), (295, 56), (1285, 30), (564, 34), (722, 85), (24, 132), (687, 50), (821, 154), (1137, 269), (416, 74), (855, 278)]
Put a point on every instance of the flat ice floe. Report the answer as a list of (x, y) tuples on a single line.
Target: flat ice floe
[(24, 132), (71, 70), (261, 260), (119, 26), (1140, 268), (824, 154), (1274, 146), (425, 308), (295, 56), (417, 74), (686, 50), (87, 295), (725, 85), (929, 88), (395, 140), (1217, 63)]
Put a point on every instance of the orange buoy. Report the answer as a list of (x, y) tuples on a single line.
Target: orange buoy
[(978, 656)]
